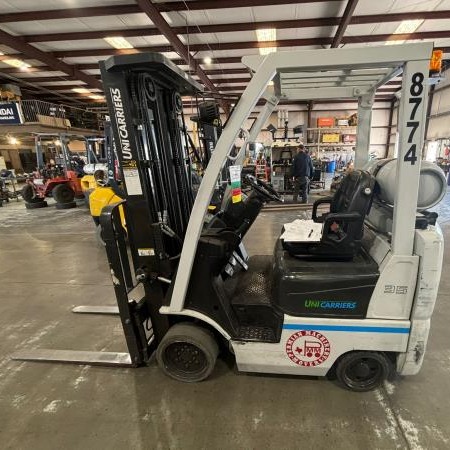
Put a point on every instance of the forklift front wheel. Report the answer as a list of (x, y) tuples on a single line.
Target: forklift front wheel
[(63, 193), (363, 371), (187, 353)]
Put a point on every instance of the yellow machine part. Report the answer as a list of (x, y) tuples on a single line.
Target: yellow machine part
[(88, 183), (103, 196)]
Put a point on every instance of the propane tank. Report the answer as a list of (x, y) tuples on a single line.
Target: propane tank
[(90, 169), (432, 182)]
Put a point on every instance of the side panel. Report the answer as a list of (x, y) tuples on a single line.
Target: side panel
[(310, 346), (429, 246), (394, 292)]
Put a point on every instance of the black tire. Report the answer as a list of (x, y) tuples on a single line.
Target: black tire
[(187, 353), (363, 371), (66, 205), (36, 205), (99, 237), (28, 193), (63, 193)]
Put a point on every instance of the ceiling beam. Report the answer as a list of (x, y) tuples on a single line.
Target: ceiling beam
[(256, 44), (67, 87), (47, 58), (132, 8), (232, 27), (156, 17), (343, 24), (381, 90), (194, 47), (217, 81), (53, 78), (178, 62)]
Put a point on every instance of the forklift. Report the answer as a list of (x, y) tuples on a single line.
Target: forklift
[(58, 172), (347, 294)]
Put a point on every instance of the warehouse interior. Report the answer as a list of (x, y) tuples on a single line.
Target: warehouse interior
[(223, 224)]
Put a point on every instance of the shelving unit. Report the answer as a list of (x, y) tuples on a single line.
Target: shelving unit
[(324, 149), (281, 154)]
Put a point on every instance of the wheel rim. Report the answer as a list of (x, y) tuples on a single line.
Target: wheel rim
[(363, 373), (184, 358)]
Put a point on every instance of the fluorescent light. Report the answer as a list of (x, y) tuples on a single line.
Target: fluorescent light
[(81, 90), (266, 34), (22, 65), (408, 26), (207, 60), (266, 50), (118, 42), (405, 27), (97, 97)]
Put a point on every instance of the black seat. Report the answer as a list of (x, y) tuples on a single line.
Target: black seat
[(343, 225)]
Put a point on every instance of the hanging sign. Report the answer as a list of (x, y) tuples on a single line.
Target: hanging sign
[(10, 114), (235, 178)]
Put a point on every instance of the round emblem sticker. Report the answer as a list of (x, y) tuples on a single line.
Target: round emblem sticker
[(308, 348)]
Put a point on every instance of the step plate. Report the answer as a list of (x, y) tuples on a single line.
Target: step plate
[(257, 334)]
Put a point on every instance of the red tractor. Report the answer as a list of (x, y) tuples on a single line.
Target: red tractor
[(58, 174)]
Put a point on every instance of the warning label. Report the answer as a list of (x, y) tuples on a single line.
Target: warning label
[(132, 178)]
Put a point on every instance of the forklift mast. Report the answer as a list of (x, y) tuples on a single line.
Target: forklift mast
[(143, 93)]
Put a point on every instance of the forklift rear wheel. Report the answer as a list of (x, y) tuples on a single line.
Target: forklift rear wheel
[(66, 205), (63, 193), (36, 205), (363, 371), (187, 353), (28, 193)]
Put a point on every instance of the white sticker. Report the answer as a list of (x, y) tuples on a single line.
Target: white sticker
[(146, 251), (235, 173), (132, 181)]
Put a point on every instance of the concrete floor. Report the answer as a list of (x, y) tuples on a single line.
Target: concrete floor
[(49, 262)]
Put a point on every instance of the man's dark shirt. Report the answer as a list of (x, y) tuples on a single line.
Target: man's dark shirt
[(302, 165)]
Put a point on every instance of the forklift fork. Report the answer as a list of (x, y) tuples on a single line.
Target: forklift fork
[(134, 315)]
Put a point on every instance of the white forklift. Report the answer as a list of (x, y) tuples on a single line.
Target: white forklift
[(348, 294)]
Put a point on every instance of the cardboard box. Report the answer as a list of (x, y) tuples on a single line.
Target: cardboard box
[(349, 138), (325, 122), (331, 138)]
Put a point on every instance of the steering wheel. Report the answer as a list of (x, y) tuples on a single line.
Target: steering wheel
[(263, 188)]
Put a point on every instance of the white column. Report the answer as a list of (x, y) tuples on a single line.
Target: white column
[(365, 104), (247, 102), (264, 114), (411, 127)]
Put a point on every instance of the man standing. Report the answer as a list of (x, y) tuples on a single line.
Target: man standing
[(302, 170)]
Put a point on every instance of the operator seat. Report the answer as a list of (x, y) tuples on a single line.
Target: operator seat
[(343, 225), (240, 216)]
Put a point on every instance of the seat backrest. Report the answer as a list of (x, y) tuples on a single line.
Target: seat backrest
[(354, 194)]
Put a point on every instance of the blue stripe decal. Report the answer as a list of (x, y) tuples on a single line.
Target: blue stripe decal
[(354, 329)]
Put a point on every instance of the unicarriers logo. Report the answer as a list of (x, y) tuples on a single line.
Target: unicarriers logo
[(116, 96)]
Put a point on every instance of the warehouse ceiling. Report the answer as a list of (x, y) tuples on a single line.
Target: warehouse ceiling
[(51, 48)]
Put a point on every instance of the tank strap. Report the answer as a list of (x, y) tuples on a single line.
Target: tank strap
[(380, 165)]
